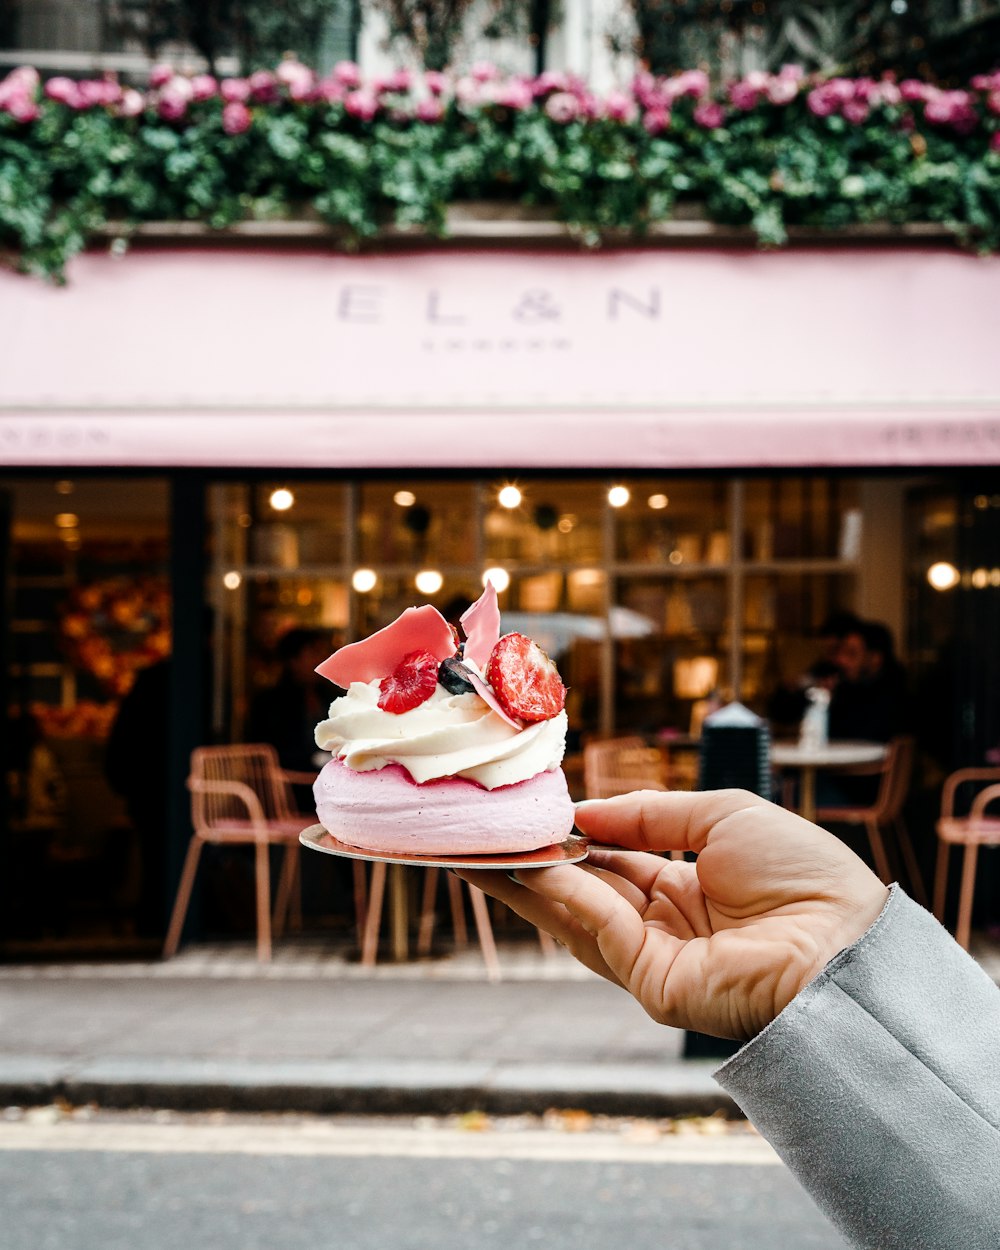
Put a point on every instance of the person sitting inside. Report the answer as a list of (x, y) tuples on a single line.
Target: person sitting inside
[(869, 700)]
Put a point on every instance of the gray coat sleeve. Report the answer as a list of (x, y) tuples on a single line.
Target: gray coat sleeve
[(879, 1086)]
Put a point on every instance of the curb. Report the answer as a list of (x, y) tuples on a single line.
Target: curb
[(367, 1089)]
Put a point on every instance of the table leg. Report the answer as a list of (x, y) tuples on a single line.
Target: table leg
[(399, 908), (807, 796)]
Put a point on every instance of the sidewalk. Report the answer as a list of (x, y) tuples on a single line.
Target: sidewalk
[(314, 1032)]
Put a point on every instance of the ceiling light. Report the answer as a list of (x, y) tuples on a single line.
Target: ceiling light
[(618, 496), (942, 576), (65, 487), (67, 520), (509, 497), (364, 580), (281, 499), (657, 501), (499, 577), (405, 498), (428, 581), (232, 580)]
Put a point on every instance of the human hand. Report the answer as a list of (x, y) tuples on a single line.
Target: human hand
[(720, 945)]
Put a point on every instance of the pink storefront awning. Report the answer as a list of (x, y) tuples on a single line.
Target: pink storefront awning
[(616, 359)]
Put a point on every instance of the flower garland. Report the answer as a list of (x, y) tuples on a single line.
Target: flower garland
[(768, 152)]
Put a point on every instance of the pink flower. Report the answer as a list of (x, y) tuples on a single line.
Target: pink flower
[(399, 80), (436, 82), (782, 90), (347, 73), (514, 94), (993, 101), (795, 72), (160, 75), (886, 92), (204, 87), (692, 82), (25, 78), (742, 95), (986, 82), (842, 89), (656, 119), (132, 103), (913, 89), (430, 110), (995, 141), (821, 102), (263, 86), (362, 104), (550, 80), (23, 109), (710, 114), (484, 71), (951, 108), (470, 91), (171, 106), (236, 118), (620, 107), (855, 111), (96, 92), (63, 91), (562, 107), (331, 90), (234, 90)]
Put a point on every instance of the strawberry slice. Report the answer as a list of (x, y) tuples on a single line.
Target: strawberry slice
[(524, 679), (411, 682)]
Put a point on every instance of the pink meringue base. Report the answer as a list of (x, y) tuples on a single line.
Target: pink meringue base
[(385, 810)]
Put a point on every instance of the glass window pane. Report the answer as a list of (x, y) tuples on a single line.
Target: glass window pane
[(416, 523), (291, 526), (543, 521), (673, 521), (671, 649), (801, 518)]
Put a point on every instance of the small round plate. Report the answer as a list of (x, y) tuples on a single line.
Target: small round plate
[(569, 852)]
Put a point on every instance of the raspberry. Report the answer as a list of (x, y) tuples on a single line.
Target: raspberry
[(524, 679), (411, 682)]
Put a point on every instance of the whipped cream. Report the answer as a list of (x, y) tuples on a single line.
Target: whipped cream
[(448, 735)]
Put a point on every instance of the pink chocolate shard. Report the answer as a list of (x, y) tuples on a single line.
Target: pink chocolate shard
[(417, 629), (481, 623), (485, 692)]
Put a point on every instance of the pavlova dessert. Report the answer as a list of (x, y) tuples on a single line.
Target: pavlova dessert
[(442, 746)]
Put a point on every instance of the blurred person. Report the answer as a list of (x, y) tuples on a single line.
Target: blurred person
[(871, 1038), (286, 714), (136, 767), (787, 705), (870, 699)]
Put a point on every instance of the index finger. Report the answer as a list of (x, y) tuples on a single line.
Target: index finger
[(658, 820)]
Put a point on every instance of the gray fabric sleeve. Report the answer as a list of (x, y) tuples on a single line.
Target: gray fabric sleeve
[(879, 1086)]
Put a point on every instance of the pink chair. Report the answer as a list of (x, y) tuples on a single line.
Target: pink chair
[(620, 765), (241, 796), (972, 831)]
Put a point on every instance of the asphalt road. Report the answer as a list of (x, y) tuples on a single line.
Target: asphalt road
[(169, 1182)]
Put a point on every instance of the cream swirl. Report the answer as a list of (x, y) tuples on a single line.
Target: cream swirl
[(448, 735)]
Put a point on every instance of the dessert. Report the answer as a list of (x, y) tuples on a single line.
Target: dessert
[(443, 747)]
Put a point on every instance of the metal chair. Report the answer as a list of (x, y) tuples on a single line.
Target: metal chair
[(240, 795), (620, 765), (972, 831), (886, 811)]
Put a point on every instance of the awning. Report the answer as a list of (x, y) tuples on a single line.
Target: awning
[(614, 359)]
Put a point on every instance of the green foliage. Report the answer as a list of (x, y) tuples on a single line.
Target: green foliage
[(70, 173)]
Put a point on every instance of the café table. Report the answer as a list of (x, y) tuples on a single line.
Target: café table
[(809, 760)]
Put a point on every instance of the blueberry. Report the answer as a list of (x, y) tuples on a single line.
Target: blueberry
[(451, 675)]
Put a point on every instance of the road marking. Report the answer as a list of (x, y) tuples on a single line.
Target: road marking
[(318, 1139)]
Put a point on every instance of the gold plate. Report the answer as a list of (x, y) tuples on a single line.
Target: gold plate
[(571, 851)]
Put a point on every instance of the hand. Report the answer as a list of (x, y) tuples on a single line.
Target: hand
[(720, 945)]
